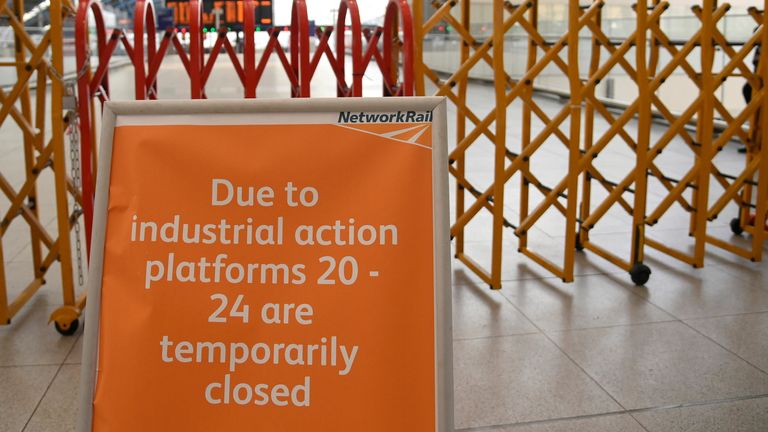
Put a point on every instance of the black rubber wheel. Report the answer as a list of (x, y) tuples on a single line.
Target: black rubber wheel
[(640, 274), (736, 227), (69, 330)]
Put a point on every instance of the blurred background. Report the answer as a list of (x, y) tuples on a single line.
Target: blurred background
[(441, 46)]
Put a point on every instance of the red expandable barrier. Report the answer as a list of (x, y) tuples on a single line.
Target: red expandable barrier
[(299, 65), (85, 92)]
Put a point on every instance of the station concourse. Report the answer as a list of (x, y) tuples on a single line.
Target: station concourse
[(587, 348)]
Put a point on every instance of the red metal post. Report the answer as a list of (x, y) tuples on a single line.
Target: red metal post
[(398, 9), (85, 99), (300, 47), (196, 50), (358, 67), (143, 22), (249, 48)]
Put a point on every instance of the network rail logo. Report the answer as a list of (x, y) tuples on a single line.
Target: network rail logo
[(395, 117)]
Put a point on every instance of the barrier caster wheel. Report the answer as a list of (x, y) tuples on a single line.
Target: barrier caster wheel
[(736, 227), (640, 274), (67, 329)]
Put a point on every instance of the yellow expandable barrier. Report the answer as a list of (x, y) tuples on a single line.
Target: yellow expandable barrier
[(507, 90), (645, 190), (43, 61), (746, 188)]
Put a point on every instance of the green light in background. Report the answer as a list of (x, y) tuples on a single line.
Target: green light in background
[(258, 28), (205, 30)]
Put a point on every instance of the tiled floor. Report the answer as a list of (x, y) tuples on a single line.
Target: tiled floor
[(687, 352)]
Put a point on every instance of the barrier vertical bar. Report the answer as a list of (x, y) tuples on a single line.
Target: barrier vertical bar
[(398, 12), (742, 221), (300, 48), (653, 62), (461, 124), (5, 315), (29, 151), (527, 94), (59, 153), (761, 206), (144, 23), (705, 133), (500, 153), (589, 136), (249, 49), (643, 137), (196, 51), (391, 54), (575, 138), (350, 7), (85, 106), (407, 87)]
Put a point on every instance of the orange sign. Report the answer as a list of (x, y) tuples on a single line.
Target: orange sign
[(269, 272)]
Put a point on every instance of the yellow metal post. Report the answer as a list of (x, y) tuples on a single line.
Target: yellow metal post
[(29, 141), (589, 132), (500, 153), (527, 95), (761, 206), (461, 125), (705, 134), (653, 62), (65, 316), (574, 151), (5, 315), (643, 136)]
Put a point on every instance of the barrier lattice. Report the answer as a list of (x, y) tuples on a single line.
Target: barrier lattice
[(645, 191), (44, 119)]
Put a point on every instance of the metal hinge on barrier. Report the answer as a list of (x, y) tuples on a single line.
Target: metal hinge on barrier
[(69, 101)]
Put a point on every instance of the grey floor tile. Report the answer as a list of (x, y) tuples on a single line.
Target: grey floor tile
[(745, 335), (76, 354), (58, 409), (606, 423), (480, 312), (741, 416), (19, 273), (591, 301), (29, 340), (478, 229), (652, 365), (514, 379), (21, 390), (703, 293), (754, 273), (515, 266)]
